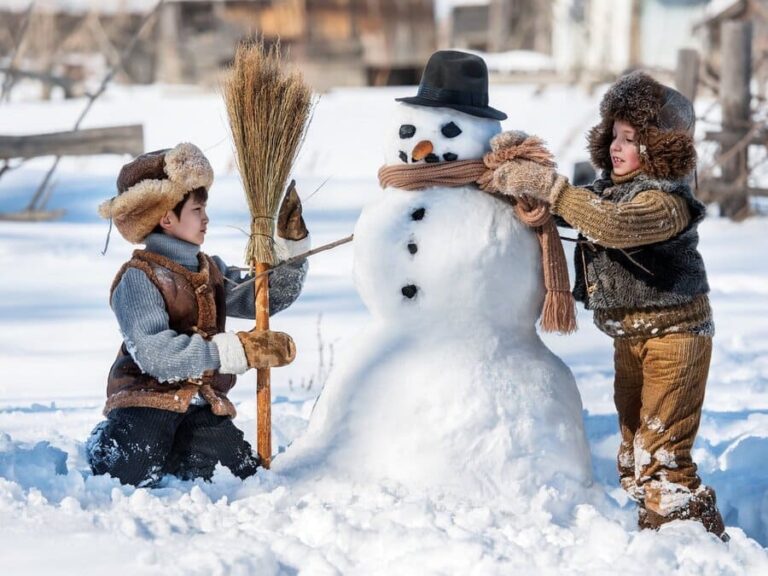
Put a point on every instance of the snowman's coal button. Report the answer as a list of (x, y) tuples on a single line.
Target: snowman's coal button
[(409, 291), (412, 248), (418, 214), (403, 156), (450, 157)]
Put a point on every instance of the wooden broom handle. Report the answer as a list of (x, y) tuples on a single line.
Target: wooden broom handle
[(263, 375)]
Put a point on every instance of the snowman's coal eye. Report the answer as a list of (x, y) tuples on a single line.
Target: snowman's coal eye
[(450, 130), (407, 131)]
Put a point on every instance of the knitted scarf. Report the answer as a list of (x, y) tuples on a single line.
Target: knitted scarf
[(558, 313)]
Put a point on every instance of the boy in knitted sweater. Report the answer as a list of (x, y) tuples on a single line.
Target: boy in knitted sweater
[(638, 269), (167, 408)]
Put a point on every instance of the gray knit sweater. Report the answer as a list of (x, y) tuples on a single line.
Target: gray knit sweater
[(143, 319)]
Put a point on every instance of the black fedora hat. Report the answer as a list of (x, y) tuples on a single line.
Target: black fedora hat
[(457, 80)]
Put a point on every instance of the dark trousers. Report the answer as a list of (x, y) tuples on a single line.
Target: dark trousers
[(140, 445)]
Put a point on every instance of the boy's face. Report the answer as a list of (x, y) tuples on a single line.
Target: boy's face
[(624, 153), (191, 226)]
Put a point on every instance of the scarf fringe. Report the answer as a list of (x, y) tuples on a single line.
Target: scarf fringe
[(558, 313)]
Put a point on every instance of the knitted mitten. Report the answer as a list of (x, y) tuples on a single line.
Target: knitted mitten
[(519, 177), (267, 349)]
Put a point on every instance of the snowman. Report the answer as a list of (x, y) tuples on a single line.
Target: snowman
[(449, 387)]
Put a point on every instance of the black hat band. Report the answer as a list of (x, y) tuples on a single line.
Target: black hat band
[(453, 96)]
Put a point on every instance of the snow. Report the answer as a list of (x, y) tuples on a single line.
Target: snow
[(517, 61), (58, 339), (443, 8)]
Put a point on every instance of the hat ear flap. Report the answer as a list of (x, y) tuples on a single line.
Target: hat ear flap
[(599, 141), (668, 155)]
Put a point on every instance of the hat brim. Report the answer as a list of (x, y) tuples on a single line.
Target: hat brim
[(480, 112)]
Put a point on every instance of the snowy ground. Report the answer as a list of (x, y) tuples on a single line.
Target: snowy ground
[(58, 339)]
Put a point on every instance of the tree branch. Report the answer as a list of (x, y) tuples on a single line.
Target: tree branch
[(10, 77), (33, 204)]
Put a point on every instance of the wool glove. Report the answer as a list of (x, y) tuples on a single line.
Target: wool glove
[(267, 349), (290, 222), (524, 177)]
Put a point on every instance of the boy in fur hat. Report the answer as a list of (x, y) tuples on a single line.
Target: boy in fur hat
[(167, 408), (638, 269)]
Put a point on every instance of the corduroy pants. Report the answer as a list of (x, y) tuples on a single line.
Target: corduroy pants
[(659, 392), (140, 445)]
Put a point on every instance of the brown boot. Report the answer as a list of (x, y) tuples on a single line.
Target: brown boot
[(701, 507)]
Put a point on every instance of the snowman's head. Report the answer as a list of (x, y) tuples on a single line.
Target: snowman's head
[(421, 134)]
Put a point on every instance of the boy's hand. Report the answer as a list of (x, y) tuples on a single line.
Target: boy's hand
[(267, 349), (290, 222), (525, 177)]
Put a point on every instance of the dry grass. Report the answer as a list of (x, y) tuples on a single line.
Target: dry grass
[(268, 108)]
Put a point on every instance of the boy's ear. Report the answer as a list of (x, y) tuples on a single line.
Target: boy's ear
[(166, 222)]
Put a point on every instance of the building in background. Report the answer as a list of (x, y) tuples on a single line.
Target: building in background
[(595, 38), (335, 42), (502, 25), (606, 37), (372, 42)]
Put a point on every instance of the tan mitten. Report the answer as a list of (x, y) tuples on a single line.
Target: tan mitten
[(267, 349)]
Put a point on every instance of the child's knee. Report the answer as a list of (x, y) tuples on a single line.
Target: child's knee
[(115, 448)]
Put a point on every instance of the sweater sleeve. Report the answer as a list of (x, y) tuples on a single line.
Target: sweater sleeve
[(285, 284), (158, 350), (650, 216)]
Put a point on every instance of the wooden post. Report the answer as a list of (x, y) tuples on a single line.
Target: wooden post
[(263, 376), (735, 75), (498, 25), (636, 34), (687, 73), (168, 60)]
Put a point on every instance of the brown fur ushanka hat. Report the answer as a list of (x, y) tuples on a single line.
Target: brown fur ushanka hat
[(664, 122), (152, 184)]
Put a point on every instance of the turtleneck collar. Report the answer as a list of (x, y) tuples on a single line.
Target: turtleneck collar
[(616, 179), (179, 251)]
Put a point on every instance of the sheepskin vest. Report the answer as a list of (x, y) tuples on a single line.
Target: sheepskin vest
[(196, 304), (667, 273)]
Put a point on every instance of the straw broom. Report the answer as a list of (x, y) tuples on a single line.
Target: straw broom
[(268, 109)]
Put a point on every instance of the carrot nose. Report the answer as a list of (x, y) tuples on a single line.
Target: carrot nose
[(421, 150)]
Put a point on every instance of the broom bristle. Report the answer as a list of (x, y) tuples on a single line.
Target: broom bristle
[(268, 109)]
